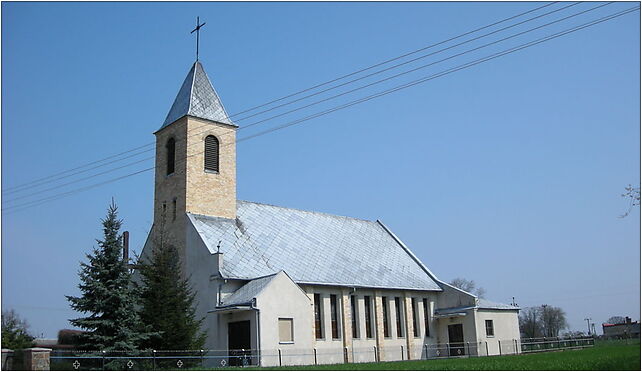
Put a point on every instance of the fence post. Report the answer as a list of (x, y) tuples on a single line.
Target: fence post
[(202, 357), (153, 360), (486, 342), (103, 359), (500, 347), (375, 354), (401, 352), (280, 362), (345, 354), (515, 346), (315, 356), (448, 348), (426, 350)]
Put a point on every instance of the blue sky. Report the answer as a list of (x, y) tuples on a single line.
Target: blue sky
[(508, 173)]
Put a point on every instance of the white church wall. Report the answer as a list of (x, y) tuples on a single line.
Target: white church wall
[(468, 323), (200, 265), (453, 297), (505, 327), (429, 335), (364, 347), (329, 349), (283, 298)]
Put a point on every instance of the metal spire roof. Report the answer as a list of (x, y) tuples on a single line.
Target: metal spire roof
[(197, 98)]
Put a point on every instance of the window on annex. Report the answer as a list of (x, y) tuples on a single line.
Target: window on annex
[(318, 316), (334, 316), (367, 307), (490, 329), (426, 317), (399, 313), (174, 209), (386, 317), (355, 316), (286, 330), (415, 321)]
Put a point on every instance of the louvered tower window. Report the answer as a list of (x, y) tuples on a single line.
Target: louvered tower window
[(171, 155), (211, 154)]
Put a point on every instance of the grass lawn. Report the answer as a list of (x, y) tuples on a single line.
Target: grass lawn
[(601, 357)]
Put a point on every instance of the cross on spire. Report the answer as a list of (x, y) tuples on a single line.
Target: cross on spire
[(198, 30)]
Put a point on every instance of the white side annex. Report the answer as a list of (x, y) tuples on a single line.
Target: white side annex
[(288, 287)]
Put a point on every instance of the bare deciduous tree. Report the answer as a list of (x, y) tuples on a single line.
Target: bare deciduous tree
[(553, 320), (542, 321), (632, 194), (468, 286), (15, 331), (529, 323), (616, 320)]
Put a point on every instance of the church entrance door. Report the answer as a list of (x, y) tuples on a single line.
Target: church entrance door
[(456, 339), (238, 343)]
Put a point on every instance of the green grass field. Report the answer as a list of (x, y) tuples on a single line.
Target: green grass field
[(613, 356)]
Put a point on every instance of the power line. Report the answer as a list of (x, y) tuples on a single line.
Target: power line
[(343, 93), (396, 58), (335, 96), (426, 65), (409, 61), (27, 185), (382, 93), (78, 172), (449, 71)]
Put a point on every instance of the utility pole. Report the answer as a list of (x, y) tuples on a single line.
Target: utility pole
[(588, 324)]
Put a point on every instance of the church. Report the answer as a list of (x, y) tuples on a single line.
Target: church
[(281, 286)]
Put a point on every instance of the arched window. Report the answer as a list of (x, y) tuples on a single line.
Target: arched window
[(211, 154), (171, 155)]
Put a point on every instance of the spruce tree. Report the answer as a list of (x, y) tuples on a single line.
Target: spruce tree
[(167, 301), (107, 296)]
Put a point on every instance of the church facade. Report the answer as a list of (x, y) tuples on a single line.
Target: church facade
[(285, 286)]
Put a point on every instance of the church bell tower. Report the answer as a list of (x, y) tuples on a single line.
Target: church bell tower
[(195, 158)]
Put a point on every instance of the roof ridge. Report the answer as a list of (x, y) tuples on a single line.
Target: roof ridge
[(306, 211), (408, 251), (191, 88), (210, 217)]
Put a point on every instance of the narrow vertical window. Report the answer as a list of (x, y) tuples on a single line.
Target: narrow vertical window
[(490, 330), (426, 317), (170, 147), (367, 307), (211, 154), (399, 313), (355, 316), (334, 316), (386, 321), (318, 316), (174, 209), (415, 322)]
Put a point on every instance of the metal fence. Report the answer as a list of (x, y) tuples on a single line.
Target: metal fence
[(188, 359)]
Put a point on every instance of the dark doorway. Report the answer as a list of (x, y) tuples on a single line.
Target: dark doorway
[(238, 343), (456, 340)]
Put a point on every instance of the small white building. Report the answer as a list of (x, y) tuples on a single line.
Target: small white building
[(286, 286)]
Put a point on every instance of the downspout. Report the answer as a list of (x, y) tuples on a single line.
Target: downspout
[(258, 330)]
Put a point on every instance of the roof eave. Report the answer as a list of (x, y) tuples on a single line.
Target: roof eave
[(199, 118)]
